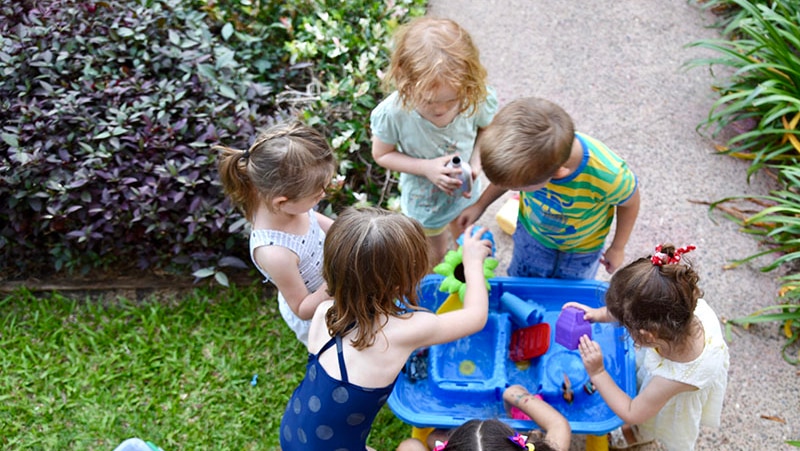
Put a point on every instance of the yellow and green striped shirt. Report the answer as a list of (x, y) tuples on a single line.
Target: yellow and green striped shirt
[(574, 214)]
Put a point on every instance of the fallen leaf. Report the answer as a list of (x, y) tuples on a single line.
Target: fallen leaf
[(773, 418)]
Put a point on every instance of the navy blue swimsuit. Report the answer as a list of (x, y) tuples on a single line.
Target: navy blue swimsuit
[(329, 414)]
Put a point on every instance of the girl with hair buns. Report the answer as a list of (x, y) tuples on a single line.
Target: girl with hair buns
[(682, 358), (276, 183)]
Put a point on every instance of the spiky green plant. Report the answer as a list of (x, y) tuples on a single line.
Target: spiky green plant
[(762, 47), (777, 226)]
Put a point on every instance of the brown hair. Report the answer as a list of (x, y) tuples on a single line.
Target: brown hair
[(657, 299), (373, 261), (429, 53), (526, 143), (478, 435), (288, 159)]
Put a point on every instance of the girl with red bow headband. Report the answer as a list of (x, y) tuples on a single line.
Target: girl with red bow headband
[(682, 357)]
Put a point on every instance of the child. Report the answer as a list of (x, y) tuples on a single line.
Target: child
[(571, 186), (276, 183), (374, 261), (683, 359), (440, 105), (476, 435)]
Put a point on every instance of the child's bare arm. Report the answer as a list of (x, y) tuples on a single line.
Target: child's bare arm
[(324, 222), (281, 264), (429, 329), (631, 410), (626, 218), (556, 426), (474, 211)]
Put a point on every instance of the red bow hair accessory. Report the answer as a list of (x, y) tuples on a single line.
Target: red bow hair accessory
[(659, 258)]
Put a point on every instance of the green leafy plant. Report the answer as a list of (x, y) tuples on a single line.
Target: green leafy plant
[(726, 10), (109, 111), (776, 223), (762, 47), (348, 41)]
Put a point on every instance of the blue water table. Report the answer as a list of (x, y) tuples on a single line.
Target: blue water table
[(448, 384)]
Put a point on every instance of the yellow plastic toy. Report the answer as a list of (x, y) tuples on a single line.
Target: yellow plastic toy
[(506, 217)]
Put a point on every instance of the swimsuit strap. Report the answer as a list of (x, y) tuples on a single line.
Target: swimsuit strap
[(340, 355), (326, 346)]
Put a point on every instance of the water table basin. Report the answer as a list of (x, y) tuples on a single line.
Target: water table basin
[(465, 379)]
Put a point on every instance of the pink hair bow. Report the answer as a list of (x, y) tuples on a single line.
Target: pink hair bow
[(440, 446), (520, 440)]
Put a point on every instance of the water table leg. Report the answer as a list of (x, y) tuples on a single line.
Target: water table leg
[(596, 443), (421, 434)]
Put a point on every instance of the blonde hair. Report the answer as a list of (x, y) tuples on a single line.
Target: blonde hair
[(429, 53), (373, 262), (526, 143), (288, 159)]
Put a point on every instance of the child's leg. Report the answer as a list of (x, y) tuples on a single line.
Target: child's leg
[(455, 232), (439, 244)]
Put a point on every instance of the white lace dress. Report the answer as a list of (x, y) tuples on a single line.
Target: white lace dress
[(677, 425)]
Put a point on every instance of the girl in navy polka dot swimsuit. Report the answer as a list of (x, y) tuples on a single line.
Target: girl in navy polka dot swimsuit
[(373, 262)]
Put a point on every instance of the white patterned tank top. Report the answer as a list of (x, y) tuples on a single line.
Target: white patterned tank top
[(308, 248)]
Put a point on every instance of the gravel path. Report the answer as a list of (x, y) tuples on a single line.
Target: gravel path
[(616, 67)]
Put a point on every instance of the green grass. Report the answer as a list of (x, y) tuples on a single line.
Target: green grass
[(87, 374)]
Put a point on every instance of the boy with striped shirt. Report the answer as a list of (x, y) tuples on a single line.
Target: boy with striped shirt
[(571, 188)]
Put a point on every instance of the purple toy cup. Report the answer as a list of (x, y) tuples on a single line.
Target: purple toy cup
[(570, 326)]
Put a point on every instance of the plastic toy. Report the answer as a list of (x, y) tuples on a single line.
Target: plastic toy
[(529, 342), (465, 176), (137, 444), (566, 389), (506, 216), (571, 326), (453, 271), (466, 378), (523, 313)]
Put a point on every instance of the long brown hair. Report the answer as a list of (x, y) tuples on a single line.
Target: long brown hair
[(657, 298), (288, 159), (373, 262)]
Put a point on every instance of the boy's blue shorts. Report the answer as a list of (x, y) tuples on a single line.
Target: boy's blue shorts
[(532, 259)]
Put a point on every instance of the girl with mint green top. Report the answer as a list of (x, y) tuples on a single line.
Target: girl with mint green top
[(440, 105)]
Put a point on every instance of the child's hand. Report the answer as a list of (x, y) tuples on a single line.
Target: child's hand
[(590, 314), (468, 216), (592, 356), (475, 250), (611, 259), (440, 175)]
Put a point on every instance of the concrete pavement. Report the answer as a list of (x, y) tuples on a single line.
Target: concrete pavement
[(616, 67)]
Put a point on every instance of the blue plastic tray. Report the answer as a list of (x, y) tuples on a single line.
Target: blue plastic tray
[(466, 378)]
